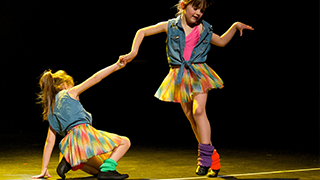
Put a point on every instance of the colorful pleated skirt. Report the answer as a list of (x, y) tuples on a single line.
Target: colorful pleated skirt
[(190, 85), (84, 142)]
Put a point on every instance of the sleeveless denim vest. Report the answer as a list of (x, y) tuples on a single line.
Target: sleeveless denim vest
[(67, 113), (176, 42)]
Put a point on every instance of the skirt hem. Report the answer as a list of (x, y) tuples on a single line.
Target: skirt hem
[(84, 142), (191, 84), (192, 96)]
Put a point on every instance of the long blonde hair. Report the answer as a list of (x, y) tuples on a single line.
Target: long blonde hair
[(50, 85)]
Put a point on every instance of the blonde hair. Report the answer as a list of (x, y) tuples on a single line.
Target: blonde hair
[(50, 85), (201, 4)]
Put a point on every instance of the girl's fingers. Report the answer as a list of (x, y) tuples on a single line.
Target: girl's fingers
[(121, 57), (249, 27), (245, 27), (37, 177)]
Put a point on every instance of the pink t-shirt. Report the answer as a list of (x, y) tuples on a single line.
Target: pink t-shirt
[(191, 41)]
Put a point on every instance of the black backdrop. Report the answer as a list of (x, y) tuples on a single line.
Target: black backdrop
[(270, 98)]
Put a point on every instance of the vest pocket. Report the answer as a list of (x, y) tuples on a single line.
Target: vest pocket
[(204, 45), (175, 42)]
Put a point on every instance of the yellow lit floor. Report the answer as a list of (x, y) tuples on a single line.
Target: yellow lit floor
[(161, 162)]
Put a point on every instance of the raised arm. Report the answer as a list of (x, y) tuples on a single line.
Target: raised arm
[(141, 33), (96, 78), (227, 36), (47, 151)]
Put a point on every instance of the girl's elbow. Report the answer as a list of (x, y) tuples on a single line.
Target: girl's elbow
[(220, 44), (223, 45), (223, 42), (141, 32)]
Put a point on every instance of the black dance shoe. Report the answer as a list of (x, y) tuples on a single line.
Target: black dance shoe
[(201, 170), (213, 173), (63, 168), (111, 175)]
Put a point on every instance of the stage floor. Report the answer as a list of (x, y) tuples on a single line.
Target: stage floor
[(160, 162)]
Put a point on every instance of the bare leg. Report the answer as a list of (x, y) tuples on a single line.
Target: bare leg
[(187, 109), (201, 119), (92, 166), (90, 170), (196, 113), (121, 150)]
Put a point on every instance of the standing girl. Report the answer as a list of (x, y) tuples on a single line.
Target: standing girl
[(190, 78), (83, 147)]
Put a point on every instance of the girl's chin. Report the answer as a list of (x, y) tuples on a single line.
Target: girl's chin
[(192, 20)]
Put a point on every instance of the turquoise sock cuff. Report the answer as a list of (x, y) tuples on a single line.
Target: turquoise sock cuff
[(108, 165)]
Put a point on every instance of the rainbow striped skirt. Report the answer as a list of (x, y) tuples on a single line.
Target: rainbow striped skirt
[(170, 91), (84, 142)]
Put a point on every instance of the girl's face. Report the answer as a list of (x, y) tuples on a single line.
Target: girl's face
[(192, 14)]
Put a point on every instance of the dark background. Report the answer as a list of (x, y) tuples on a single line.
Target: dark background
[(270, 98)]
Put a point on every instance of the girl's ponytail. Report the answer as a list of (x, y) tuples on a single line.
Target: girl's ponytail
[(48, 93)]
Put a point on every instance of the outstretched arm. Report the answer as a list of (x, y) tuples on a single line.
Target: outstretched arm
[(96, 78), (141, 33), (51, 139), (227, 36)]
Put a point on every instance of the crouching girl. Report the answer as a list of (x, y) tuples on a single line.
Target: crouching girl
[(83, 147)]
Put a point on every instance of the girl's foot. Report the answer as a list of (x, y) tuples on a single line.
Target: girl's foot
[(215, 165), (111, 175), (201, 170), (63, 168), (205, 159), (213, 173)]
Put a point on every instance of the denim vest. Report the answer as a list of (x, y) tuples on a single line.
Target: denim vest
[(67, 113), (176, 42)]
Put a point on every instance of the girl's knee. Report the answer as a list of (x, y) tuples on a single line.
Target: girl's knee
[(126, 141), (199, 104), (199, 111), (198, 108)]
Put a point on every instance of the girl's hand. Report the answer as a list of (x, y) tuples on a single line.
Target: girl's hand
[(42, 175), (129, 57), (121, 62), (242, 26)]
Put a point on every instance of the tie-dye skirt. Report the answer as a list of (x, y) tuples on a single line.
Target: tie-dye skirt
[(84, 142), (170, 91)]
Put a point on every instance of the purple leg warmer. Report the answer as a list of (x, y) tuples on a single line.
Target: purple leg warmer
[(205, 153)]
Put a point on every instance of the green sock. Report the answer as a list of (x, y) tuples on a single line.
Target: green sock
[(108, 165)]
